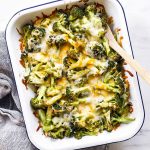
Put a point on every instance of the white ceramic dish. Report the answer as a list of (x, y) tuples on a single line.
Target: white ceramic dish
[(124, 132)]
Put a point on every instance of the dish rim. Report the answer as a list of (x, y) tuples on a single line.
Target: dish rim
[(132, 52)]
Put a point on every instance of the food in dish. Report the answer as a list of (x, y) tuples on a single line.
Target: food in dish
[(79, 81)]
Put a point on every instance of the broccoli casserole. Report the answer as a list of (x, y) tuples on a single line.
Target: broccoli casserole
[(79, 81)]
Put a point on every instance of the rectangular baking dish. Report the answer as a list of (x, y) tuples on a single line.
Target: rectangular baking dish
[(124, 132)]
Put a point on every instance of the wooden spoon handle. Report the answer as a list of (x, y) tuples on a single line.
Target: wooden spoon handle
[(133, 63)]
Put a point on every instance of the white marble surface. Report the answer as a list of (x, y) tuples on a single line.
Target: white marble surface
[(138, 14)]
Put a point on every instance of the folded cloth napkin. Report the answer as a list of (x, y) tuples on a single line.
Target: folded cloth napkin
[(12, 129)]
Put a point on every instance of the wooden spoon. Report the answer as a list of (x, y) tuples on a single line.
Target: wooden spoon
[(133, 63)]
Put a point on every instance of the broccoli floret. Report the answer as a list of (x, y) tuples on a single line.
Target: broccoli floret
[(45, 22), (56, 106), (79, 132), (106, 46), (69, 94), (58, 134), (92, 125), (63, 17), (55, 70), (37, 102), (73, 53), (80, 37), (104, 19), (41, 115), (68, 132), (113, 77), (90, 10), (114, 56), (35, 39), (67, 61), (51, 91), (81, 81), (76, 13), (98, 51), (121, 85), (116, 85), (76, 26), (58, 40), (27, 29), (48, 117), (111, 64), (125, 120), (111, 74), (74, 75), (51, 40), (58, 27), (74, 93), (37, 77), (107, 121), (38, 33), (50, 101)]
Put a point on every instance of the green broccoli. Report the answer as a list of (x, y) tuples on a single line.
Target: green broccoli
[(58, 27), (45, 22), (74, 75), (50, 101), (63, 18), (48, 116), (27, 29), (75, 93), (41, 115), (58, 40), (37, 77), (81, 81), (51, 40), (51, 91), (90, 10), (110, 75), (107, 121), (76, 13), (35, 39), (38, 101), (67, 61), (125, 120), (79, 132), (56, 106), (76, 26), (116, 85), (73, 53), (38, 33), (114, 56), (98, 51), (58, 134)]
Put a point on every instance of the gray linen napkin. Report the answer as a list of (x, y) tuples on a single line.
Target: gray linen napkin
[(12, 129)]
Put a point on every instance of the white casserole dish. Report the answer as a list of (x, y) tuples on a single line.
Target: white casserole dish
[(124, 132)]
